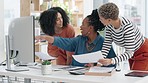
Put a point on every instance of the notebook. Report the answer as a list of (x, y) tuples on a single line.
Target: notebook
[(137, 74)]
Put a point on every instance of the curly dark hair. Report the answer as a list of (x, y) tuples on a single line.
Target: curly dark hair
[(48, 18), (64, 15), (94, 21)]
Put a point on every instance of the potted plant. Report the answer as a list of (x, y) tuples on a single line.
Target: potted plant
[(46, 62), (46, 67)]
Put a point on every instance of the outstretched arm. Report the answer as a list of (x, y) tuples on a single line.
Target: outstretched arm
[(50, 39)]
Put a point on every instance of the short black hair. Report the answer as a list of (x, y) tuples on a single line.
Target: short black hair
[(94, 20)]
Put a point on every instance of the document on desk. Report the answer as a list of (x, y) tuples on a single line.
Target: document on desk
[(88, 57), (44, 56), (98, 69)]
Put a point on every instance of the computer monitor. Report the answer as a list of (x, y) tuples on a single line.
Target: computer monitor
[(21, 39)]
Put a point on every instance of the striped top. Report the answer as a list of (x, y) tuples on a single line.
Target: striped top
[(127, 36)]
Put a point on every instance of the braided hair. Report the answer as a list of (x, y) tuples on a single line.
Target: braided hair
[(94, 21)]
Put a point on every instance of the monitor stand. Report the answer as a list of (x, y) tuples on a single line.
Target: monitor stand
[(8, 61)]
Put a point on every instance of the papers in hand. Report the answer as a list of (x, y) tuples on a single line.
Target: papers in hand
[(44, 56), (89, 57)]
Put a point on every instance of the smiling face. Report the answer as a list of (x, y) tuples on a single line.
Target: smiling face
[(85, 27), (59, 21)]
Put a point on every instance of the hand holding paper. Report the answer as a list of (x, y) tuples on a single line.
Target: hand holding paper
[(88, 57)]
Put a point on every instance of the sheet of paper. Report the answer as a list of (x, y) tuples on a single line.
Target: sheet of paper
[(44, 56), (101, 69), (88, 57)]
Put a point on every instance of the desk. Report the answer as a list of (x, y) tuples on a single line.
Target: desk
[(144, 80), (64, 76)]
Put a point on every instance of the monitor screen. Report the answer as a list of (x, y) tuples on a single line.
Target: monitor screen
[(21, 36)]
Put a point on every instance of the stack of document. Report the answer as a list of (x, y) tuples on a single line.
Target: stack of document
[(101, 69)]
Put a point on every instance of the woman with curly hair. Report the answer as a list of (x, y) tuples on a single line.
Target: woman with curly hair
[(55, 22), (126, 34)]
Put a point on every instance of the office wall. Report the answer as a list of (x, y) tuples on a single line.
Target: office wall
[(141, 8), (88, 7), (2, 54), (97, 3), (10, 12)]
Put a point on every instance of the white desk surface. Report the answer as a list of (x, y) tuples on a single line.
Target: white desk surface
[(64, 76)]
